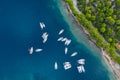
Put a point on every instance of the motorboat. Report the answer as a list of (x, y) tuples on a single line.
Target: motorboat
[(81, 69), (64, 39), (74, 54), (31, 50), (67, 65), (61, 31), (67, 42), (81, 61), (38, 50), (59, 39), (55, 66), (45, 37), (42, 25), (66, 50)]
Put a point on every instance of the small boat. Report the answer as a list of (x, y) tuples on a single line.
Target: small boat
[(74, 54), (42, 25), (61, 31), (67, 42), (38, 50), (81, 69), (31, 50), (45, 37), (81, 61), (59, 39), (66, 50), (55, 66), (64, 39), (67, 65)]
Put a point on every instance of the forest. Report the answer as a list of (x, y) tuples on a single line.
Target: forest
[(101, 18)]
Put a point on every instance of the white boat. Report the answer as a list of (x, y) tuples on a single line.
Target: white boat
[(81, 61), (31, 50), (55, 66), (67, 42), (74, 54), (45, 37), (59, 39), (38, 50), (61, 31), (64, 39), (42, 25), (67, 65), (81, 69), (66, 50)]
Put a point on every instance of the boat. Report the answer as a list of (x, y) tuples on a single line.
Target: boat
[(66, 50), (38, 50), (74, 54), (64, 39), (31, 50), (81, 69), (42, 25), (67, 42), (81, 61), (45, 37), (67, 65), (61, 31), (59, 39), (55, 66)]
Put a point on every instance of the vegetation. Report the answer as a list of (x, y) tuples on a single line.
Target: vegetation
[(102, 19)]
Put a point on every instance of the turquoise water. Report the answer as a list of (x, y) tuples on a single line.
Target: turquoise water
[(19, 30)]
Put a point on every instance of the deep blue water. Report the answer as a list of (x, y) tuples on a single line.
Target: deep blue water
[(19, 30)]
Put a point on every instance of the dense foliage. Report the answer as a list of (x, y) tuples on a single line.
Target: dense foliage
[(102, 19)]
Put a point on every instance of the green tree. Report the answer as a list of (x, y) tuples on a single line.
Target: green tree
[(103, 25), (108, 4), (110, 20), (93, 18), (109, 39), (109, 32), (102, 29), (109, 12), (117, 3), (118, 34), (88, 16), (118, 22)]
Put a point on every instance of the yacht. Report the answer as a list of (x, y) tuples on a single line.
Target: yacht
[(74, 54), (42, 25), (61, 31), (67, 42), (64, 39), (59, 39), (31, 50), (67, 65), (45, 37), (81, 61), (55, 66), (81, 69), (66, 50), (38, 50)]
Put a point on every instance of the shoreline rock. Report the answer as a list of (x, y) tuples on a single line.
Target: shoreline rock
[(109, 60)]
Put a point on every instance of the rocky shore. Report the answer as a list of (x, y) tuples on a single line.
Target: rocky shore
[(114, 66)]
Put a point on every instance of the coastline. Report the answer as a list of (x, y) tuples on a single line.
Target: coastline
[(112, 64)]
